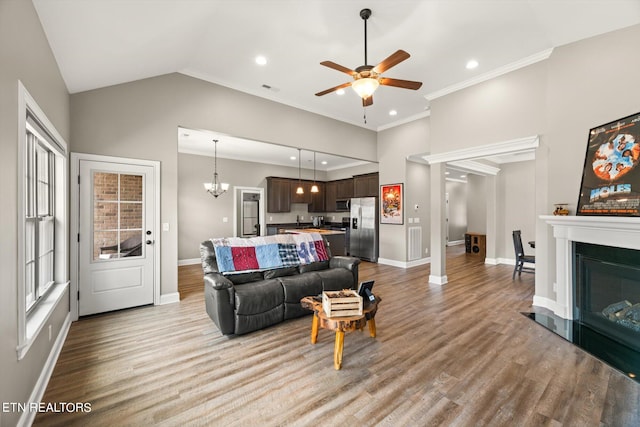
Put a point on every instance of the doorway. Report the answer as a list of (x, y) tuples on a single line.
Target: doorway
[(117, 244), (249, 212)]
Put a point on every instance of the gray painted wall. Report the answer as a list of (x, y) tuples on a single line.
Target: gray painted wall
[(140, 120), (457, 210), (516, 207), (417, 192), (477, 204), (25, 56), (394, 146), (559, 99)]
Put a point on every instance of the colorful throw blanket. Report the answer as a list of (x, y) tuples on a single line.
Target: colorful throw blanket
[(235, 254)]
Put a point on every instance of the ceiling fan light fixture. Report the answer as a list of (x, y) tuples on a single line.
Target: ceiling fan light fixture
[(365, 87)]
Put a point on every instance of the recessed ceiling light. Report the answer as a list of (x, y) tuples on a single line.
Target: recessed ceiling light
[(292, 157), (324, 162), (261, 60), (340, 92), (447, 173), (463, 176), (393, 113), (472, 64)]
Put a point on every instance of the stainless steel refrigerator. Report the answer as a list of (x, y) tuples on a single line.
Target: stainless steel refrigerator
[(363, 236)]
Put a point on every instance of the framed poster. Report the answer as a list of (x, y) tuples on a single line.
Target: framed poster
[(610, 178), (391, 207)]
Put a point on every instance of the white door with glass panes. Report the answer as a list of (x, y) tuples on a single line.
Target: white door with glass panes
[(116, 242)]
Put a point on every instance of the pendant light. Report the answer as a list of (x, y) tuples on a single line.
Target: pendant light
[(215, 187), (299, 190), (314, 187)]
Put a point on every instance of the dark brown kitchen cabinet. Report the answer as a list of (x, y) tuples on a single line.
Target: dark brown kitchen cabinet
[(278, 195), (365, 185), (331, 189), (318, 199), (344, 189), (304, 197)]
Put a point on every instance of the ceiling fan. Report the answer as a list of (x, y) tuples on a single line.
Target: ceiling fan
[(367, 78)]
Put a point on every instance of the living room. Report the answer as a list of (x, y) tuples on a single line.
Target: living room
[(558, 99)]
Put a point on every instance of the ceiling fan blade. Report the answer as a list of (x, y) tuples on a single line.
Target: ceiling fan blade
[(405, 84), (393, 60), (333, 89), (338, 67), (367, 101)]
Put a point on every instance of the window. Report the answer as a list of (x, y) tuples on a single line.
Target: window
[(39, 219), (42, 226)]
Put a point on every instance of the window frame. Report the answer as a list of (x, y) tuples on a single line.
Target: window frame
[(32, 319)]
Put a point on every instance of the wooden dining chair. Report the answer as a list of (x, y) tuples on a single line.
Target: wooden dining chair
[(521, 258)]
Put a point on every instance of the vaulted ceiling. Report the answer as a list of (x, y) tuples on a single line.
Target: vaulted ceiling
[(99, 43)]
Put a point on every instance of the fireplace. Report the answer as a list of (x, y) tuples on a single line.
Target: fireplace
[(596, 287), (607, 291)]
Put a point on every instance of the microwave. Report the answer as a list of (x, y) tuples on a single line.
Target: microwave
[(343, 205)]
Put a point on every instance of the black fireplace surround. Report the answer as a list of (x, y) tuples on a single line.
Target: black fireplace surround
[(607, 291)]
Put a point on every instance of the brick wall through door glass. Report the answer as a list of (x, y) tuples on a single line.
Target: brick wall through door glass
[(117, 215)]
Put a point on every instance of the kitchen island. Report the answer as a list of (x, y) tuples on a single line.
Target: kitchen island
[(335, 238)]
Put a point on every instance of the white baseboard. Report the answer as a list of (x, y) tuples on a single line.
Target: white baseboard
[(43, 380), (455, 242), (190, 261), (438, 280), (404, 264), (169, 298), (492, 261), (417, 262)]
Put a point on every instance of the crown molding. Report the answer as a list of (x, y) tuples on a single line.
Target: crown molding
[(473, 166), (524, 62), (506, 147)]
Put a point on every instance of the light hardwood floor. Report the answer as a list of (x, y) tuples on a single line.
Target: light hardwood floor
[(460, 354)]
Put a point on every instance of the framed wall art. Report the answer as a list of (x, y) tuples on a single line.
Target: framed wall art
[(391, 204), (610, 178)]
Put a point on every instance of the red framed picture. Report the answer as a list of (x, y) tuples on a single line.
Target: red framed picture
[(391, 204)]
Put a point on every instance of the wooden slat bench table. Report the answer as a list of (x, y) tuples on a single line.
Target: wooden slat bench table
[(339, 324)]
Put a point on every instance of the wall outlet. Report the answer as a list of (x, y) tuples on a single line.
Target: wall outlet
[(165, 226), (49, 332), (270, 218), (426, 251), (417, 221), (410, 220), (333, 218), (225, 219)]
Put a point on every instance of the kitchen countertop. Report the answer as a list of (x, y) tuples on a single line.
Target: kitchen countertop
[(322, 231)]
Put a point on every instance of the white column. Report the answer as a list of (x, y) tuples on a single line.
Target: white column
[(438, 274)]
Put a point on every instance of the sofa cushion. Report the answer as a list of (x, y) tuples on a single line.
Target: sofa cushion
[(240, 278), (258, 297), (335, 279), (254, 322), (297, 287), (315, 266), (280, 272)]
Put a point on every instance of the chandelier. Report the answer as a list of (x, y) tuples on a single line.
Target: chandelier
[(215, 187)]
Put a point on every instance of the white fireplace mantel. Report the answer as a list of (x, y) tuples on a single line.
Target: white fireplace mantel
[(621, 232)]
